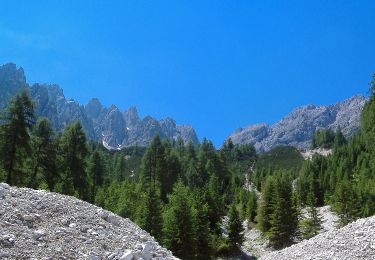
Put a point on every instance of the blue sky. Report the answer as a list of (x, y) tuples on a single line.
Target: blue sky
[(217, 65)]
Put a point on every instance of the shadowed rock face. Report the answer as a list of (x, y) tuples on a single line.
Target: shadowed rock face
[(11, 80), (109, 125), (297, 128)]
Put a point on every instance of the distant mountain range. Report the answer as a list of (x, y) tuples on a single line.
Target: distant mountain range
[(297, 128), (116, 129), (113, 128)]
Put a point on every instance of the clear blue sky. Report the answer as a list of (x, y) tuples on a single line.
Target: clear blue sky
[(217, 65)]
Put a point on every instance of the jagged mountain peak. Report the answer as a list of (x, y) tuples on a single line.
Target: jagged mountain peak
[(296, 128), (10, 71), (131, 117), (109, 125), (93, 108)]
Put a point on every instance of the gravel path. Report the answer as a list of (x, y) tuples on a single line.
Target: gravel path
[(43, 225)]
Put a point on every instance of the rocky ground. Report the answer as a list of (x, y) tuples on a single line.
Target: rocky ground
[(43, 225), (255, 243), (258, 245), (352, 242), (308, 154)]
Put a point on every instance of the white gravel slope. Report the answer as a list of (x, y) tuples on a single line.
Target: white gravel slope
[(352, 242), (43, 225)]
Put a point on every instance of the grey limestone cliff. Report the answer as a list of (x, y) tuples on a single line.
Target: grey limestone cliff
[(115, 129), (296, 129)]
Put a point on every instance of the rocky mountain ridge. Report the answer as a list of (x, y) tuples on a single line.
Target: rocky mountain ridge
[(297, 128), (36, 224), (114, 128)]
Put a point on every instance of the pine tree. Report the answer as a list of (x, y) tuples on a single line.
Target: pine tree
[(65, 184), (149, 215), (235, 228), (44, 156), (214, 203), (265, 208), (192, 175), (178, 223), (73, 158), (312, 224), (15, 137), (340, 139), (172, 172), (120, 167), (284, 218), (96, 172), (346, 203), (201, 224), (251, 207), (154, 167)]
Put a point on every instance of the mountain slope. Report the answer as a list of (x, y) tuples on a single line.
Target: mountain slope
[(296, 129), (354, 241), (109, 125), (44, 225)]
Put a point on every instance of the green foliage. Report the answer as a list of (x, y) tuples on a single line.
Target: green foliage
[(281, 158), (323, 138), (339, 140), (346, 203), (119, 167), (96, 172), (43, 161), (251, 207), (234, 228), (158, 167), (312, 180), (372, 85), (235, 153), (178, 223), (73, 153), (201, 225), (17, 122), (284, 219), (65, 184), (265, 208), (310, 226), (149, 215)]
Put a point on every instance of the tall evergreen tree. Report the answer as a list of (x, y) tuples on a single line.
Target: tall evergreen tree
[(73, 158), (201, 224), (178, 223), (312, 224), (284, 220), (44, 155), (120, 167), (149, 215), (96, 172), (15, 137), (265, 208), (346, 203), (235, 228), (214, 204), (251, 207), (154, 167)]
